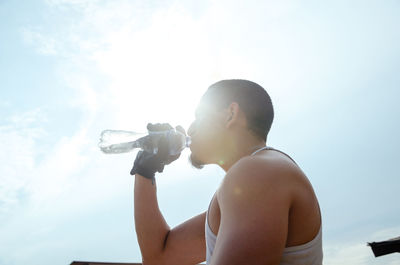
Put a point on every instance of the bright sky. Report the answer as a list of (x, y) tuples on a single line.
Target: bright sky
[(71, 68)]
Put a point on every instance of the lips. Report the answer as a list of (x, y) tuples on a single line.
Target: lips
[(193, 145)]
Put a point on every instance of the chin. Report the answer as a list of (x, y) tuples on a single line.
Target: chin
[(196, 162)]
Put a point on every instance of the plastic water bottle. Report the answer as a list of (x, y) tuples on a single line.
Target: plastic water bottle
[(117, 141)]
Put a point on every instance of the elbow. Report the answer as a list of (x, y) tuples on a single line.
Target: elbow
[(152, 260), (164, 245), (156, 257)]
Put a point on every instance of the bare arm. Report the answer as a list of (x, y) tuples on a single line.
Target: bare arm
[(151, 228), (254, 217), (185, 244)]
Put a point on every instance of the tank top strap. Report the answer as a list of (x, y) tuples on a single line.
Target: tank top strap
[(271, 148), (209, 206)]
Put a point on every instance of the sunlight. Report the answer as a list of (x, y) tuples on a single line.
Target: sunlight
[(153, 83)]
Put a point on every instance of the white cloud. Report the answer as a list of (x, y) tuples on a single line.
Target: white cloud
[(385, 234), (4, 104), (17, 139), (52, 177), (33, 172), (22, 174), (25, 119), (347, 254), (44, 44)]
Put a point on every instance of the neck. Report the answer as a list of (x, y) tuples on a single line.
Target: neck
[(238, 149)]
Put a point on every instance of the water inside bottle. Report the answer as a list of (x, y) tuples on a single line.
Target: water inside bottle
[(118, 141)]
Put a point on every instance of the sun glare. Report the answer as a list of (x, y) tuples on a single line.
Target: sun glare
[(153, 84)]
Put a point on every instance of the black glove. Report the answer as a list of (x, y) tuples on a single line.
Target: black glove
[(147, 163)]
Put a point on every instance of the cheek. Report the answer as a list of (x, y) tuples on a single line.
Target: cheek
[(204, 132), (207, 138)]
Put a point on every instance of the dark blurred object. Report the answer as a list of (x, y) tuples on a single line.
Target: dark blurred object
[(104, 263), (101, 263), (385, 247)]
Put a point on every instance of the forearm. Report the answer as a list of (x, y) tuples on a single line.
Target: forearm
[(150, 225)]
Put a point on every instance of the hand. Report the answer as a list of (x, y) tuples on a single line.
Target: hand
[(147, 163)]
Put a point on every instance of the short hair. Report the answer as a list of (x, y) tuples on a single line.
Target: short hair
[(252, 98)]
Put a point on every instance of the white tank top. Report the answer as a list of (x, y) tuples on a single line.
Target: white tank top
[(309, 253)]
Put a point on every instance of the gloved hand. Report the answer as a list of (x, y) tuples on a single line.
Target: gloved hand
[(146, 163)]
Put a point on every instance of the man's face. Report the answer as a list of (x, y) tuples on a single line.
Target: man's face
[(207, 135)]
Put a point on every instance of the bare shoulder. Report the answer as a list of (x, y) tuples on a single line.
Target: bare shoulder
[(259, 180), (267, 177), (266, 170)]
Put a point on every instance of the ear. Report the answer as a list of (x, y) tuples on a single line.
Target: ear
[(232, 114)]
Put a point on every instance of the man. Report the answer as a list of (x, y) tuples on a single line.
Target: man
[(265, 210)]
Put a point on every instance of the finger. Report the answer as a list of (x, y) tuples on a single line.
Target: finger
[(150, 126), (180, 129), (139, 156), (163, 148), (172, 158), (157, 127), (165, 126), (160, 168)]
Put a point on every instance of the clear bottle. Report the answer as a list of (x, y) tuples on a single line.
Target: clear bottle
[(117, 141)]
